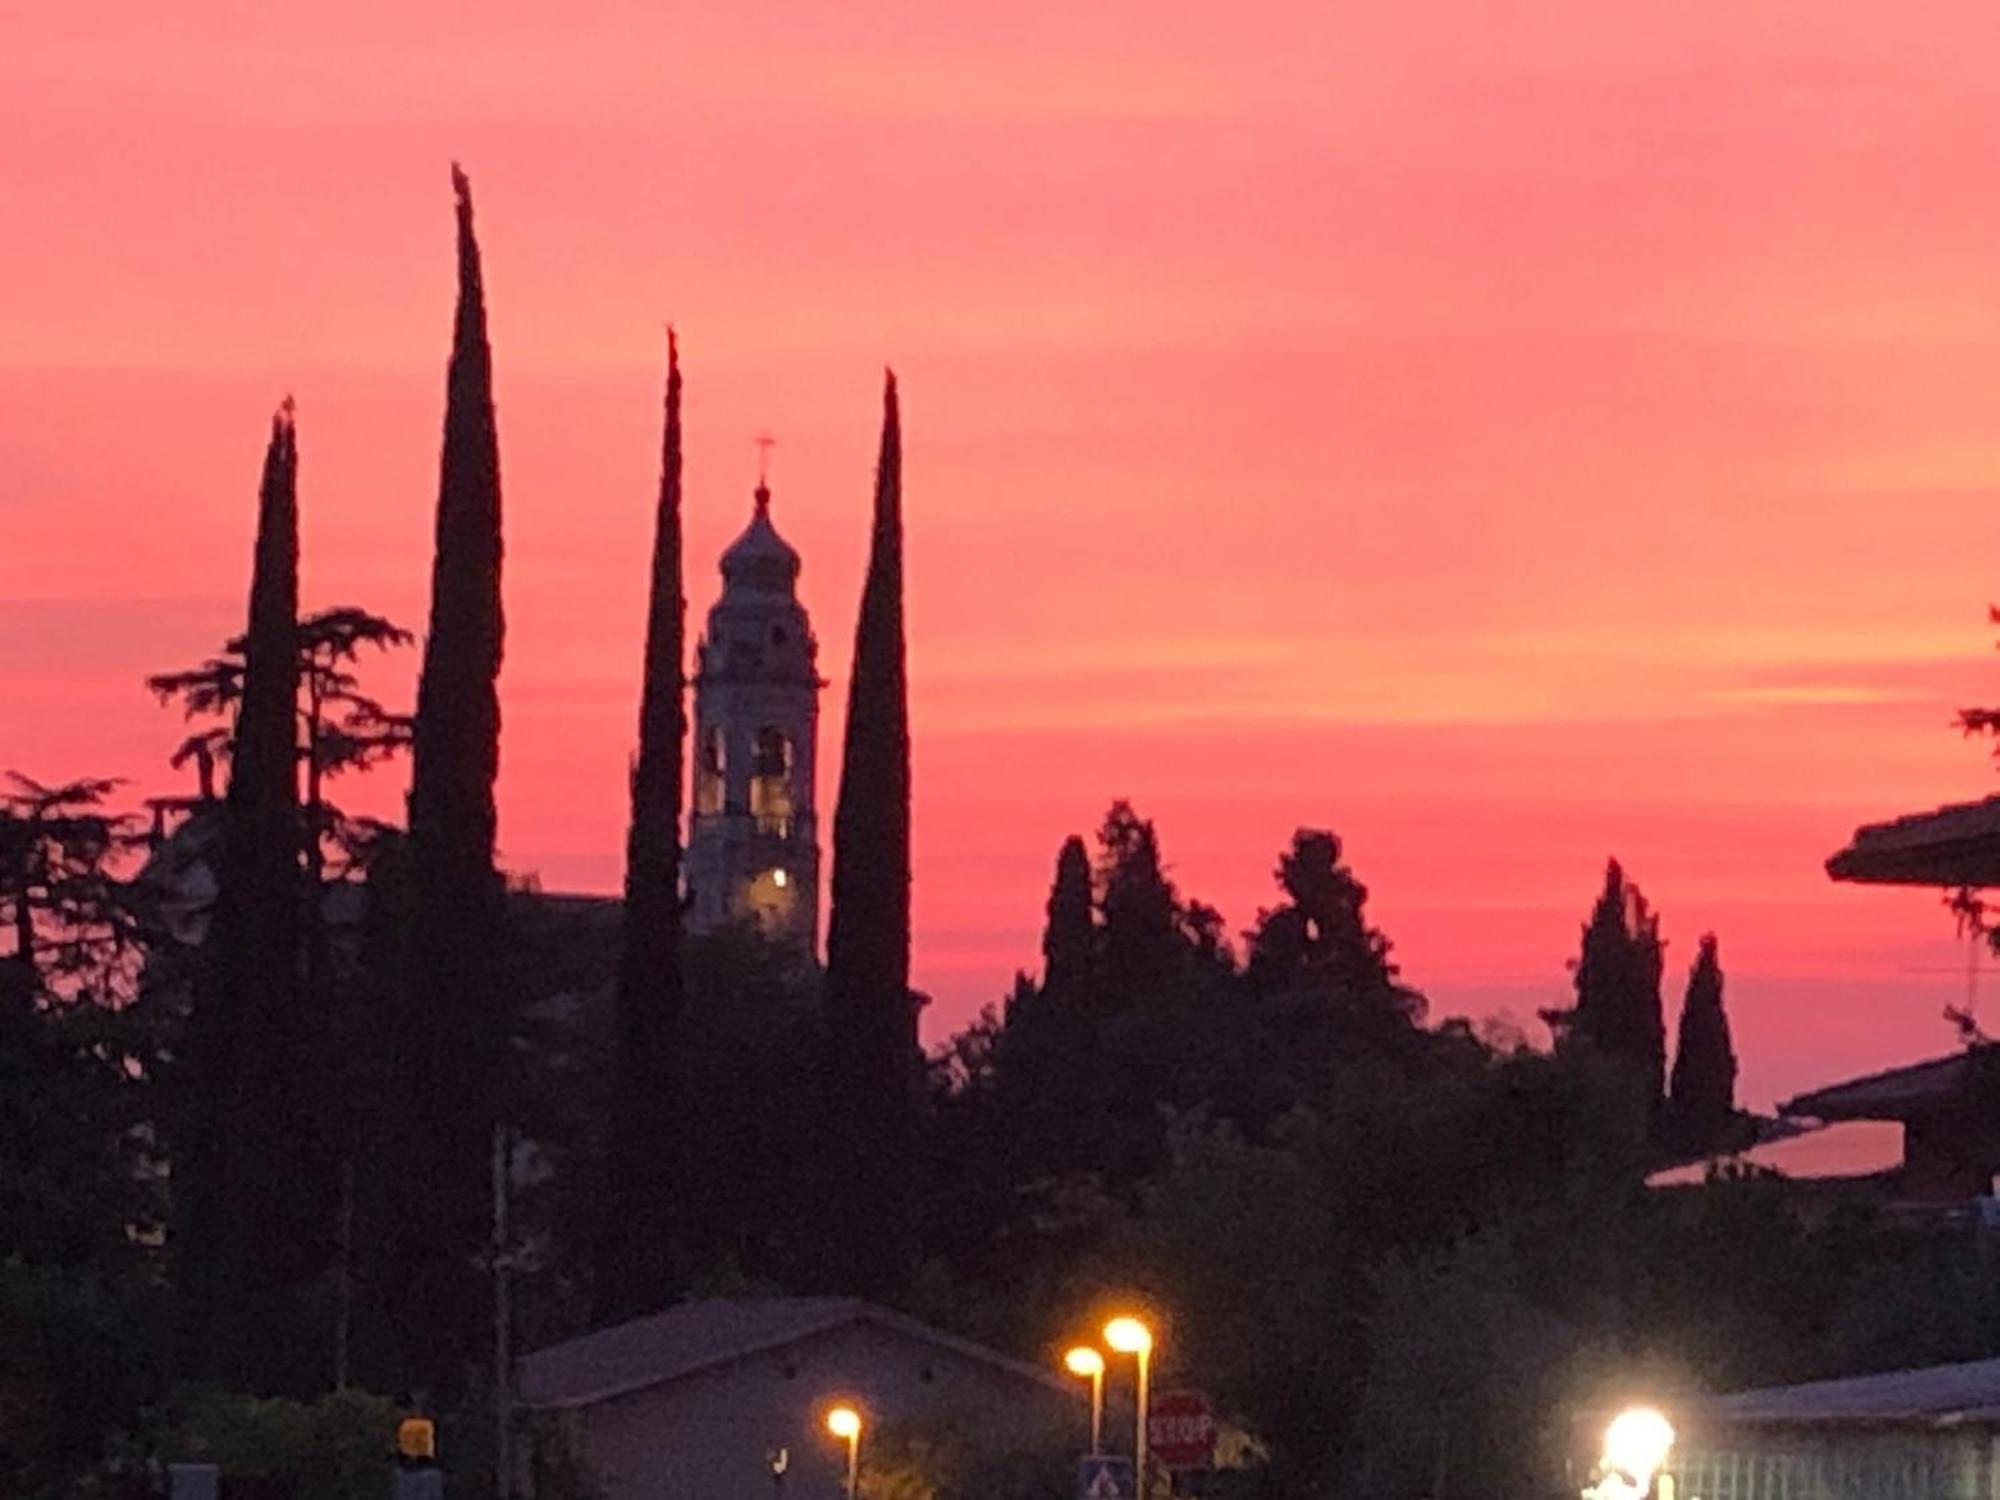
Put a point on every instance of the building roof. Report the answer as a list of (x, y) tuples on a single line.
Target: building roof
[(697, 1336), (760, 559), (1845, 1151), (1948, 846), (1937, 1395), (1898, 1093)]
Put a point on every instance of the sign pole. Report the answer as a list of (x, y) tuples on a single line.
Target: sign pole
[(1145, 1364)]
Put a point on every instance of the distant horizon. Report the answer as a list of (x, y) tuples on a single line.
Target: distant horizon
[(1511, 441)]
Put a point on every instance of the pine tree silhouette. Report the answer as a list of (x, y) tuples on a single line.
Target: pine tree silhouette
[(647, 1157), (871, 1014)]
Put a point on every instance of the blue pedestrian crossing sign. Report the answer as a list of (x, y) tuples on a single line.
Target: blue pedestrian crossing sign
[(1103, 1477)]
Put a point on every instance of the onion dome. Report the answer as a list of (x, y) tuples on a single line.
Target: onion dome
[(760, 559)]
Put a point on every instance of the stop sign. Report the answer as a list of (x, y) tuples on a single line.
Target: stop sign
[(1180, 1430)]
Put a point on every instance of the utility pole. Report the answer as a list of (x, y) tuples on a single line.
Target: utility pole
[(343, 1314), (503, 1356)]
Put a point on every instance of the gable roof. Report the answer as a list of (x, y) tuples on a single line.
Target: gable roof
[(1934, 1395), (697, 1336)]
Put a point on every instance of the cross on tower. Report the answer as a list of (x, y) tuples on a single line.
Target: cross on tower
[(765, 443)]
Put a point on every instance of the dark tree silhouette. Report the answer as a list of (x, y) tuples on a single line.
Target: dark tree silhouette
[(871, 1014), (1071, 932), (1983, 721), (636, 1270), (1618, 1012), (1320, 935), (73, 1053), (1141, 938), (342, 729), (1701, 1099), (256, 1228), (453, 1031), (79, 1177), (65, 916)]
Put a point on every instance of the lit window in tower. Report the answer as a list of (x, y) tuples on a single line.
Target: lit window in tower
[(710, 784), (771, 781)]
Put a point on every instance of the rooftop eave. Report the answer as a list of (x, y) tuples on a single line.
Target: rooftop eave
[(1958, 845)]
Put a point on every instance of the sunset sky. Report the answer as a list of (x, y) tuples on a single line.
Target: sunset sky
[(1509, 434)]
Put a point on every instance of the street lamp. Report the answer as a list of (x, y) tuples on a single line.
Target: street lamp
[(1636, 1445), (1087, 1364), (1130, 1336), (845, 1422)]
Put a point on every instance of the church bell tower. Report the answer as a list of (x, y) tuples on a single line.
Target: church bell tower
[(753, 838)]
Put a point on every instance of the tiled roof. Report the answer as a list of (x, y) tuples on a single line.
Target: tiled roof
[(699, 1335)]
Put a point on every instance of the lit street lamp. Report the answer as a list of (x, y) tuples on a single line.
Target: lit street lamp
[(1130, 1336), (1087, 1364), (1636, 1445), (845, 1422)]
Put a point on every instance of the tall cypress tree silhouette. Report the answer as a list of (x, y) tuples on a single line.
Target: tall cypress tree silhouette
[(1701, 1097), (454, 1027), (1070, 937), (255, 1225), (871, 1014), (647, 1156)]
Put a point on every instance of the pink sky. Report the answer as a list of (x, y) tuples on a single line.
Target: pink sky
[(1507, 433)]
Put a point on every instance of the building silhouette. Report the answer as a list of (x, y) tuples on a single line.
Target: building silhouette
[(753, 834)]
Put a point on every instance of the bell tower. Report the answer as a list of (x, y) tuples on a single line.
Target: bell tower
[(753, 836)]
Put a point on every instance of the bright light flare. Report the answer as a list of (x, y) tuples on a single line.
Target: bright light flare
[(1084, 1361), (1637, 1443), (844, 1422), (1128, 1336)]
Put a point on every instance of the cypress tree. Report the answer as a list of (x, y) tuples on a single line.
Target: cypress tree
[(1071, 933), (255, 1207), (454, 1028), (871, 1014), (1701, 1101), (1618, 1010), (647, 1158)]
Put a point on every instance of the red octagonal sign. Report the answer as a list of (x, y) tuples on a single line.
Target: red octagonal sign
[(1180, 1430)]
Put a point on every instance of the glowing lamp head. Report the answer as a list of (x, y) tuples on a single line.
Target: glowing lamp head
[(844, 1422), (1637, 1443), (416, 1438), (780, 879), (1128, 1336), (1084, 1361)]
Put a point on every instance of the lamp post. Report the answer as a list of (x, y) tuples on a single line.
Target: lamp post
[(1130, 1336), (845, 1422), (1636, 1446), (1086, 1363)]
